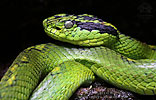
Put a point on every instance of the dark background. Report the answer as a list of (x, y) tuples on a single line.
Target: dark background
[(21, 21)]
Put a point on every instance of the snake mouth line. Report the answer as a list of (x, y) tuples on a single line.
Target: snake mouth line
[(81, 41)]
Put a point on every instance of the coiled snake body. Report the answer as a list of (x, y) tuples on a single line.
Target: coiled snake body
[(103, 51)]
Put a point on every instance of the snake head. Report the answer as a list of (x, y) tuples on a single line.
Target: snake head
[(83, 30)]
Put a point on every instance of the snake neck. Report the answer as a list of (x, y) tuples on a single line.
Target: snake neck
[(133, 48)]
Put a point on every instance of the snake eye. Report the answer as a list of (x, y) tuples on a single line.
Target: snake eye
[(68, 24)]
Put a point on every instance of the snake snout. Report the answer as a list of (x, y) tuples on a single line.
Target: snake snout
[(45, 23)]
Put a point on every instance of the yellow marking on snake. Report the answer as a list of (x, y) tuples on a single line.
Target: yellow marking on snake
[(130, 59), (10, 81), (24, 58), (56, 69), (14, 67), (40, 47)]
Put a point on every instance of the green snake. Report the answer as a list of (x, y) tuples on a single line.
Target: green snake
[(96, 49)]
